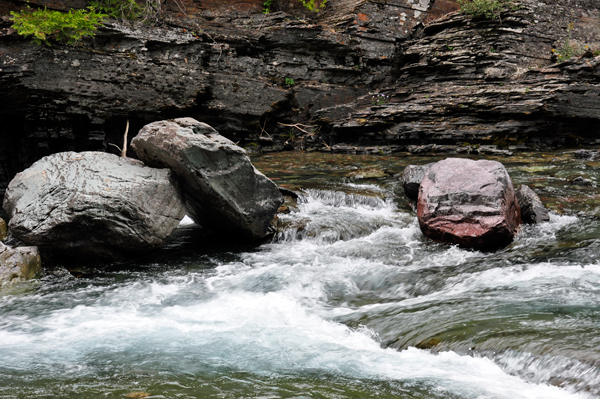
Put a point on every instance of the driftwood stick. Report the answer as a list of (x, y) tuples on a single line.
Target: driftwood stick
[(263, 128), (297, 126), (124, 150), (116, 146)]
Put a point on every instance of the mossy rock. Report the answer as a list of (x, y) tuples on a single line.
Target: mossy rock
[(3, 230), (369, 173), (19, 264)]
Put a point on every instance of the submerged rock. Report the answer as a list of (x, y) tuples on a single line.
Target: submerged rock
[(411, 179), (92, 204), (580, 181), (532, 208), (469, 203), (588, 155), (18, 264), (368, 173), (223, 191)]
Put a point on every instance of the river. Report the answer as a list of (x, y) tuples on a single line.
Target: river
[(349, 301)]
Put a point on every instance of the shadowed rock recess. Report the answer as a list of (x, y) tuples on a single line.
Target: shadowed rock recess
[(451, 83)]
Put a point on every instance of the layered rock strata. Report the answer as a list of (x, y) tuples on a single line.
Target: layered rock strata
[(454, 83)]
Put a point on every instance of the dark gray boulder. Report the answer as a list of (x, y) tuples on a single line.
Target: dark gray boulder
[(411, 179), (92, 204), (532, 208), (18, 264), (222, 189), (469, 203)]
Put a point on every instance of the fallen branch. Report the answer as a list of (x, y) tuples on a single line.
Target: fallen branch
[(262, 129), (296, 125), (124, 151)]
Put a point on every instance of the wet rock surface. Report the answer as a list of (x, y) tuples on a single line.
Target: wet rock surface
[(469, 203), (411, 179), (532, 208), (18, 264), (93, 205), (223, 190)]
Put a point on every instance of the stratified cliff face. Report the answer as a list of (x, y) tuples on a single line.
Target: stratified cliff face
[(463, 81), (451, 79)]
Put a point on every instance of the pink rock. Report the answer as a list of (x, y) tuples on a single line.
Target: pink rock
[(469, 203)]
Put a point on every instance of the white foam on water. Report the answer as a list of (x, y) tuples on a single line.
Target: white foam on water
[(270, 312), (254, 332)]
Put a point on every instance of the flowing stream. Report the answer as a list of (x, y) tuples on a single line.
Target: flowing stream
[(348, 301)]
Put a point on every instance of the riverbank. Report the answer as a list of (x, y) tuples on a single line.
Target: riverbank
[(359, 77)]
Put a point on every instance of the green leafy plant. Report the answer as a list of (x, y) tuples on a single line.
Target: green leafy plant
[(568, 49), (310, 5), (488, 9), (380, 99), (267, 6), (289, 81), (121, 9), (48, 25), (147, 11)]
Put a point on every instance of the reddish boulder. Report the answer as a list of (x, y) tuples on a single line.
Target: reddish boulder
[(469, 203)]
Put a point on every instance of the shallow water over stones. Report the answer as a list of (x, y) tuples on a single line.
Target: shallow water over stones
[(350, 301)]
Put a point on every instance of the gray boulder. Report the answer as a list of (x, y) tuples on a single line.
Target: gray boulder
[(93, 204), (222, 189), (532, 208), (469, 203), (411, 179), (18, 264)]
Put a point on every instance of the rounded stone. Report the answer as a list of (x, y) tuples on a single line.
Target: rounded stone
[(469, 203), (93, 204)]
